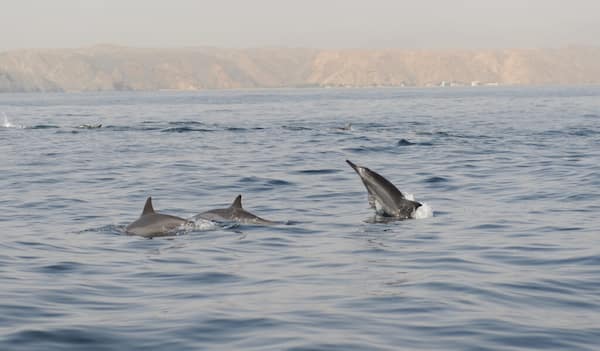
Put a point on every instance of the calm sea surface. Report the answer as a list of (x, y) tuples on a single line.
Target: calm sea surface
[(509, 260)]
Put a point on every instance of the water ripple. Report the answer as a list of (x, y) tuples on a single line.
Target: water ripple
[(509, 261)]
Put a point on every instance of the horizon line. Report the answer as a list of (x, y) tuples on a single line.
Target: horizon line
[(112, 45)]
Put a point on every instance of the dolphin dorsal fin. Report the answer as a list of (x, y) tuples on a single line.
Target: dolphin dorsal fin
[(237, 203), (148, 206)]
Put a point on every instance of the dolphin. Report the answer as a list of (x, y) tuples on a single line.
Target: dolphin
[(233, 213), (384, 197), (152, 224)]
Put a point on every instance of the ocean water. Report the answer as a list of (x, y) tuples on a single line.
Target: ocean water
[(506, 258)]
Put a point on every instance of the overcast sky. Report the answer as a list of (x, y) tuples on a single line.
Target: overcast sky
[(300, 23)]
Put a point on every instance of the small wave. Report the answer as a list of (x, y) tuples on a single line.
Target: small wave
[(583, 132), (44, 126), (450, 135), (440, 133), (107, 229), (117, 128), (490, 226), (185, 130), (374, 125), (184, 123), (582, 197), (404, 142), (265, 181), (275, 242), (60, 267), (74, 114), (128, 128), (580, 132), (90, 126), (363, 149), (235, 129), (436, 180), (69, 338), (278, 182), (296, 128), (317, 171)]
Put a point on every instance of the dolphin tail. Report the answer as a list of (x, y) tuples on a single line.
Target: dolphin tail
[(371, 198), (354, 167)]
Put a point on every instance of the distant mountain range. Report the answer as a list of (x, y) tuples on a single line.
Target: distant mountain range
[(107, 67)]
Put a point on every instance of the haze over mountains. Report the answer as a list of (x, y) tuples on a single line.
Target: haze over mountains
[(107, 67)]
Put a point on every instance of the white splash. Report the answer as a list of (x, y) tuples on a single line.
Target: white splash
[(202, 224), (8, 124), (424, 211)]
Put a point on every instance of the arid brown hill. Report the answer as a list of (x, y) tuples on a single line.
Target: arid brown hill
[(109, 67)]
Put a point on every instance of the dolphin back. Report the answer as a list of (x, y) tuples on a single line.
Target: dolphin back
[(234, 213), (155, 224), (151, 223)]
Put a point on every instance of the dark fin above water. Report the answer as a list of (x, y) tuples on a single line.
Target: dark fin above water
[(148, 209), (237, 203)]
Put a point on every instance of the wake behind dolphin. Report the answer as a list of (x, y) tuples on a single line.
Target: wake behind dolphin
[(384, 197), (151, 223), (234, 213)]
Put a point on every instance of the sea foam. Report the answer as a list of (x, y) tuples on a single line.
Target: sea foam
[(424, 211)]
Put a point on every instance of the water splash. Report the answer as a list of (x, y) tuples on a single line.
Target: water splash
[(8, 124), (424, 211), (199, 224)]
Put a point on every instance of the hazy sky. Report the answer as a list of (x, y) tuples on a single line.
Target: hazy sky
[(300, 23)]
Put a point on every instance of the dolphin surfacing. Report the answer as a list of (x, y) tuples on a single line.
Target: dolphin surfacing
[(384, 197), (234, 213), (151, 223)]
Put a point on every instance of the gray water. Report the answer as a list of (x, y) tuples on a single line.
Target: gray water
[(509, 260)]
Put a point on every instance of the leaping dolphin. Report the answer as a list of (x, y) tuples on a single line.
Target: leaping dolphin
[(233, 213), (152, 223), (384, 197)]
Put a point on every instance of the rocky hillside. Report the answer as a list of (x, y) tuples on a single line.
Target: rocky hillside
[(122, 68)]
